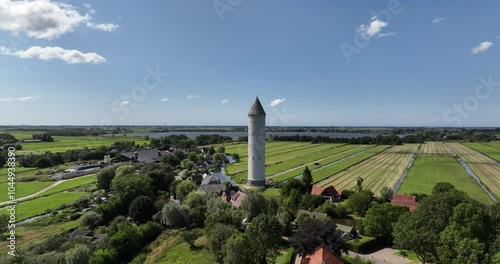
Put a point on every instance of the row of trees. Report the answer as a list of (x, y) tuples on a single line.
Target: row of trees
[(45, 137)]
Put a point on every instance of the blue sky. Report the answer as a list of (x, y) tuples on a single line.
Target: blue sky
[(413, 63)]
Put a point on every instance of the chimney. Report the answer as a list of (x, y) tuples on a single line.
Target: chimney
[(136, 156), (159, 153)]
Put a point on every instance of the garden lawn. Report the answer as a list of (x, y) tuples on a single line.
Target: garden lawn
[(426, 171)]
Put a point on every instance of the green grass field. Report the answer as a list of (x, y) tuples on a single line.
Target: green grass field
[(63, 143), (426, 171), (490, 149), (486, 169), (40, 205), (36, 233), (20, 172), (22, 189), (71, 184), (170, 248)]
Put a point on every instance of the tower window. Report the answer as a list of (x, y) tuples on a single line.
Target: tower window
[(259, 157)]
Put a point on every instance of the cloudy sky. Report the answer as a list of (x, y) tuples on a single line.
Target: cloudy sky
[(191, 62)]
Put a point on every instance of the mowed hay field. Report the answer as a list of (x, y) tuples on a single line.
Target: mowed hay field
[(63, 143), (434, 149), (278, 153), (323, 167), (379, 171), (426, 171), (490, 149), (486, 169)]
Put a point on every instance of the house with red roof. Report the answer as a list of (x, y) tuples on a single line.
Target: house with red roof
[(409, 201), (322, 255), (235, 198), (327, 192)]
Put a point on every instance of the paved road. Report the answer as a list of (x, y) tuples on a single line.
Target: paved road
[(383, 256)]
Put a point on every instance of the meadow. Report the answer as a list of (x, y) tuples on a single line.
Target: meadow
[(382, 170), (63, 143), (72, 184), (490, 149), (486, 169), (39, 206), (22, 189), (36, 232), (426, 171)]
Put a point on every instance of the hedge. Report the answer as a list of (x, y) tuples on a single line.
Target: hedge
[(365, 244)]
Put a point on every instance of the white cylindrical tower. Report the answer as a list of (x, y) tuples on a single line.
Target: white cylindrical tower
[(256, 144)]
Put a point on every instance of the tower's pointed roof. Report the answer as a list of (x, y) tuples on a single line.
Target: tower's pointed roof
[(256, 108)]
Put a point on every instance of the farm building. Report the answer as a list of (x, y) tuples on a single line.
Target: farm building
[(235, 198), (409, 201), (320, 255), (147, 156), (347, 230), (327, 192), (210, 184)]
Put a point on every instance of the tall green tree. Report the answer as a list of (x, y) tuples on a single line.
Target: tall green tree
[(142, 209), (217, 238), (184, 188), (253, 204), (359, 202), (313, 233), (421, 230), (264, 234), (380, 219), (307, 179)]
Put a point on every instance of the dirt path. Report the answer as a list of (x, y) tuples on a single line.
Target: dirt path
[(303, 165), (41, 191), (383, 256)]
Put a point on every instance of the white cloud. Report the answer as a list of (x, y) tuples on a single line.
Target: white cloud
[(43, 19), (191, 97), (374, 29), (225, 101), (165, 99), (87, 5), (277, 102), (58, 53), (437, 20), (25, 99), (388, 34), (108, 27), (124, 103), (482, 47)]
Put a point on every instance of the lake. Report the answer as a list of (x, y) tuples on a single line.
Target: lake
[(236, 135)]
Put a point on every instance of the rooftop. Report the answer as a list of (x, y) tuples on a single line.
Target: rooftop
[(256, 108)]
